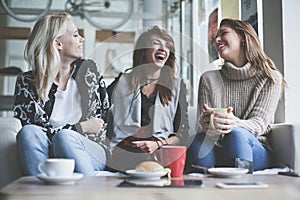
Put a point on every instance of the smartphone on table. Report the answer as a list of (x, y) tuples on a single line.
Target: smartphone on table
[(233, 185)]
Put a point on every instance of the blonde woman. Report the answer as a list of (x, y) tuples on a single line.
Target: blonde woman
[(249, 85), (59, 99)]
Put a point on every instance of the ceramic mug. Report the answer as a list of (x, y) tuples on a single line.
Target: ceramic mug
[(218, 110), (57, 167), (172, 157)]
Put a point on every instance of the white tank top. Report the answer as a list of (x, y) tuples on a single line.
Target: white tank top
[(67, 107)]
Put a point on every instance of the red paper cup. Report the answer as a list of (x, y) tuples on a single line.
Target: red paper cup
[(173, 157)]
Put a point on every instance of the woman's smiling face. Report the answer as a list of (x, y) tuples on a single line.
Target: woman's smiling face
[(71, 43), (157, 51), (228, 43)]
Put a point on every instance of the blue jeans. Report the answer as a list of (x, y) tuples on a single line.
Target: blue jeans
[(34, 147), (239, 143)]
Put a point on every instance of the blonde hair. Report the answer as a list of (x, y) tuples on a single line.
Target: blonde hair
[(253, 50), (41, 53)]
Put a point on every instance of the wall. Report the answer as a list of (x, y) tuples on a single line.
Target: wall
[(291, 35), (230, 8), (270, 28)]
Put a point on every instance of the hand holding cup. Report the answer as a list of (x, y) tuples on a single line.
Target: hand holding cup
[(221, 120), (212, 115)]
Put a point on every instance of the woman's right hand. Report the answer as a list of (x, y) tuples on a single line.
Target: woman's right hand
[(146, 146), (92, 126), (205, 118)]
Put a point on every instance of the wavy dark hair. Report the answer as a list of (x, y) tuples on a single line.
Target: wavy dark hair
[(165, 83)]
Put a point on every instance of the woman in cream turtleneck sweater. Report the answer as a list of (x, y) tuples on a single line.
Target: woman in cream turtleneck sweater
[(249, 86)]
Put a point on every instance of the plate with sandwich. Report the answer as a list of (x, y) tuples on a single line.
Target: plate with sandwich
[(148, 170)]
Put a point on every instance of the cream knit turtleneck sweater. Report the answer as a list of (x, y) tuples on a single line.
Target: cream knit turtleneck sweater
[(251, 94)]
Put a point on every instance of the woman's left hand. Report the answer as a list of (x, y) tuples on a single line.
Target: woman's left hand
[(93, 125), (146, 146), (225, 122)]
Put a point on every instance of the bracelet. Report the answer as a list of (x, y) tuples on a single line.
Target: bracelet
[(162, 144), (158, 147), (166, 142)]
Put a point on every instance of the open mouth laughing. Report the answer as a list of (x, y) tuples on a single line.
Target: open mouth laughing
[(160, 56)]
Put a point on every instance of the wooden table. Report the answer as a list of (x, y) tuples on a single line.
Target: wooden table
[(89, 188)]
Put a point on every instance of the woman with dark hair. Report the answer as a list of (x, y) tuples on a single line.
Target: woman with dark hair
[(149, 106), (249, 85)]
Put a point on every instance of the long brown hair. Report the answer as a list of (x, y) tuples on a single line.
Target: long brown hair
[(253, 49), (165, 83)]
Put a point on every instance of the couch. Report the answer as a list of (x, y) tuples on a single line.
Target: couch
[(9, 163), (281, 137)]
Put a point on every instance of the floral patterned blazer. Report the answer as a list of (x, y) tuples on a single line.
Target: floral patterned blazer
[(94, 99)]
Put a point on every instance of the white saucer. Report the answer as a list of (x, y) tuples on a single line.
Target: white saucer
[(227, 172), (146, 175), (60, 180)]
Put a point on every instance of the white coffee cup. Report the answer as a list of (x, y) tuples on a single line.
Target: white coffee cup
[(218, 110), (57, 167)]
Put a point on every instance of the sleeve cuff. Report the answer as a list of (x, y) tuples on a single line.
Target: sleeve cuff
[(78, 128)]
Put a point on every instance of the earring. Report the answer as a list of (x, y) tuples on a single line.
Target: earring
[(243, 43)]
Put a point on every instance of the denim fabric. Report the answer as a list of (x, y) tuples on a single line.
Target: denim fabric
[(34, 148), (239, 143)]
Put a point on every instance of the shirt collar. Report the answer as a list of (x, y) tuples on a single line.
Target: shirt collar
[(237, 73)]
